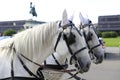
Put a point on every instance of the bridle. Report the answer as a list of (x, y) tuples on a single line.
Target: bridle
[(40, 76), (73, 55), (87, 40), (68, 43)]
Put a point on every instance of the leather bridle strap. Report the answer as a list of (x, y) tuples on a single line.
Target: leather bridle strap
[(44, 67), (70, 50), (32, 61), (26, 68), (12, 69), (86, 39), (57, 62), (66, 25), (91, 49), (58, 39), (73, 54), (77, 53), (76, 77)]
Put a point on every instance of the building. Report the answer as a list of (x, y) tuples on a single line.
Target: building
[(18, 24), (109, 23), (30, 23)]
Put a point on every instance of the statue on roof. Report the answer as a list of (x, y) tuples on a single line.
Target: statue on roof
[(32, 10)]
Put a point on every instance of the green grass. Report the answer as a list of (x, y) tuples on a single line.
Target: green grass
[(112, 42)]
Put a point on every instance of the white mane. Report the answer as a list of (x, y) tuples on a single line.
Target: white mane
[(32, 42)]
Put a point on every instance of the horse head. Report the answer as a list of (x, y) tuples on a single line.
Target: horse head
[(75, 44), (91, 38)]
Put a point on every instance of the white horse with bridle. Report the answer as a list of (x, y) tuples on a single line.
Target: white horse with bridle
[(58, 62), (92, 43), (90, 34), (22, 55)]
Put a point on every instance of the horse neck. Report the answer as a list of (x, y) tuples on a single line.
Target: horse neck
[(36, 43), (60, 58)]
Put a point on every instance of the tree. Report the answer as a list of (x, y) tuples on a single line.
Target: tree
[(9, 32)]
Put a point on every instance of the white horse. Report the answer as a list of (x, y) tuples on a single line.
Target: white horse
[(21, 54), (95, 48), (58, 62), (92, 42)]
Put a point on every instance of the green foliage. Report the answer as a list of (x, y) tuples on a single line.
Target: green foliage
[(111, 34), (114, 34), (9, 32), (112, 42), (105, 34), (100, 34), (118, 33)]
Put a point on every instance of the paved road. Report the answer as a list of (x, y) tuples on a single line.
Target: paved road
[(108, 70)]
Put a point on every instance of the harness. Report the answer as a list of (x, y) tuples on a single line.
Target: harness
[(39, 75), (73, 55)]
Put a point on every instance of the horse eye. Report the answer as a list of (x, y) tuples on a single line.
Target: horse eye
[(71, 38), (76, 65), (91, 34), (74, 36)]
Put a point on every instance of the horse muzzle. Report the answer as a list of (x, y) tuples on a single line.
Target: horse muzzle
[(98, 59), (82, 67)]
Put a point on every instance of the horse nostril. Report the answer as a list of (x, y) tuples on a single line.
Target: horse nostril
[(88, 65), (100, 59), (76, 65)]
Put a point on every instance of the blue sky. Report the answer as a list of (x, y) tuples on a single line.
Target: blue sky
[(51, 10)]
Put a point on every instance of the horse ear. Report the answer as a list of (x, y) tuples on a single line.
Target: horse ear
[(64, 18), (81, 18), (71, 18), (84, 20)]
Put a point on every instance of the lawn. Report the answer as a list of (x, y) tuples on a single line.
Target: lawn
[(112, 42)]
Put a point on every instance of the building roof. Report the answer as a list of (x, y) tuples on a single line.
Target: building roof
[(16, 24)]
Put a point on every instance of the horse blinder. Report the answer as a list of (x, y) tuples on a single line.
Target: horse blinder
[(89, 36), (70, 39)]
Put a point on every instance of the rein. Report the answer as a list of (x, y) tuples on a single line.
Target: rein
[(47, 68), (27, 69)]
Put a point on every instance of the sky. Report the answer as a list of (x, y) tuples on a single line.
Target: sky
[(51, 10)]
